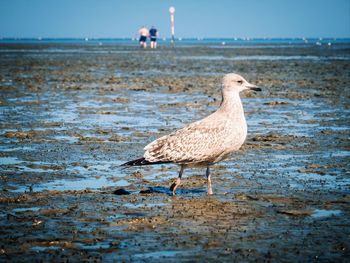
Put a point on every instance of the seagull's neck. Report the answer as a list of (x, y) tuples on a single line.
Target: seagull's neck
[(231, 104)]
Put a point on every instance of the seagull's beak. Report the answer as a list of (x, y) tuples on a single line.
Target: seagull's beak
[(252, 87)]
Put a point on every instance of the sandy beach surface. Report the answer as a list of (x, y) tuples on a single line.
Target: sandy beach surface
[(72, 113)]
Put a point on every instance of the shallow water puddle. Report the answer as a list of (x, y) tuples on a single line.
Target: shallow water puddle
[(86, 183), (25, 209), (9, 160), (131, 205), (9, 149), (321, 213), (73, 185), (66, 138), (158, 254), (95, 246)]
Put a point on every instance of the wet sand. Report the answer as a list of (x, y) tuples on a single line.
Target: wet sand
[(70, 114)]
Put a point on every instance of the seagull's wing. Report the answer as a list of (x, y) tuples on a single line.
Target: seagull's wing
[(197, 142)]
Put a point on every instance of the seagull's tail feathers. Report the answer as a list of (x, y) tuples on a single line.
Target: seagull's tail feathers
[(142, 161)]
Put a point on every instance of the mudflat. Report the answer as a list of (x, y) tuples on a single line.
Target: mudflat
[(72, 113)]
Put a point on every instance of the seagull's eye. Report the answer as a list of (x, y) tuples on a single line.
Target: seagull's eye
[(240, 82)]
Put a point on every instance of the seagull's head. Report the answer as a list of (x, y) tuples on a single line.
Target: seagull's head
[(235, 83)]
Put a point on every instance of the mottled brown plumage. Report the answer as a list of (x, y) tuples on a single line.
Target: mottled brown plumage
[(206, 141)]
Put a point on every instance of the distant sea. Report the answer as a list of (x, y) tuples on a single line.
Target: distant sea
[(179, 41)]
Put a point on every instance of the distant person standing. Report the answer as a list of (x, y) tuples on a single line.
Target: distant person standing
[(144, 33), (153, 36)]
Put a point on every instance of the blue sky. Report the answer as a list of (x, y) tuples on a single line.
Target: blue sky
[(200, 18)]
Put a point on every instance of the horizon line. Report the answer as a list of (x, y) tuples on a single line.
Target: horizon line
[(169, 37)]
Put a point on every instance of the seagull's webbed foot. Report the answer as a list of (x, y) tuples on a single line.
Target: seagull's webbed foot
[(175, 184)]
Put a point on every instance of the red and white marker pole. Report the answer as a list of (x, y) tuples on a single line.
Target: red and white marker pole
[(172, 11)]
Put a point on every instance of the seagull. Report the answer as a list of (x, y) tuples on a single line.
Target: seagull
[(204, 142)]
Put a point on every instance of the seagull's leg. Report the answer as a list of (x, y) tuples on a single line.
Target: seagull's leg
[(207, 173), (177, 181)]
